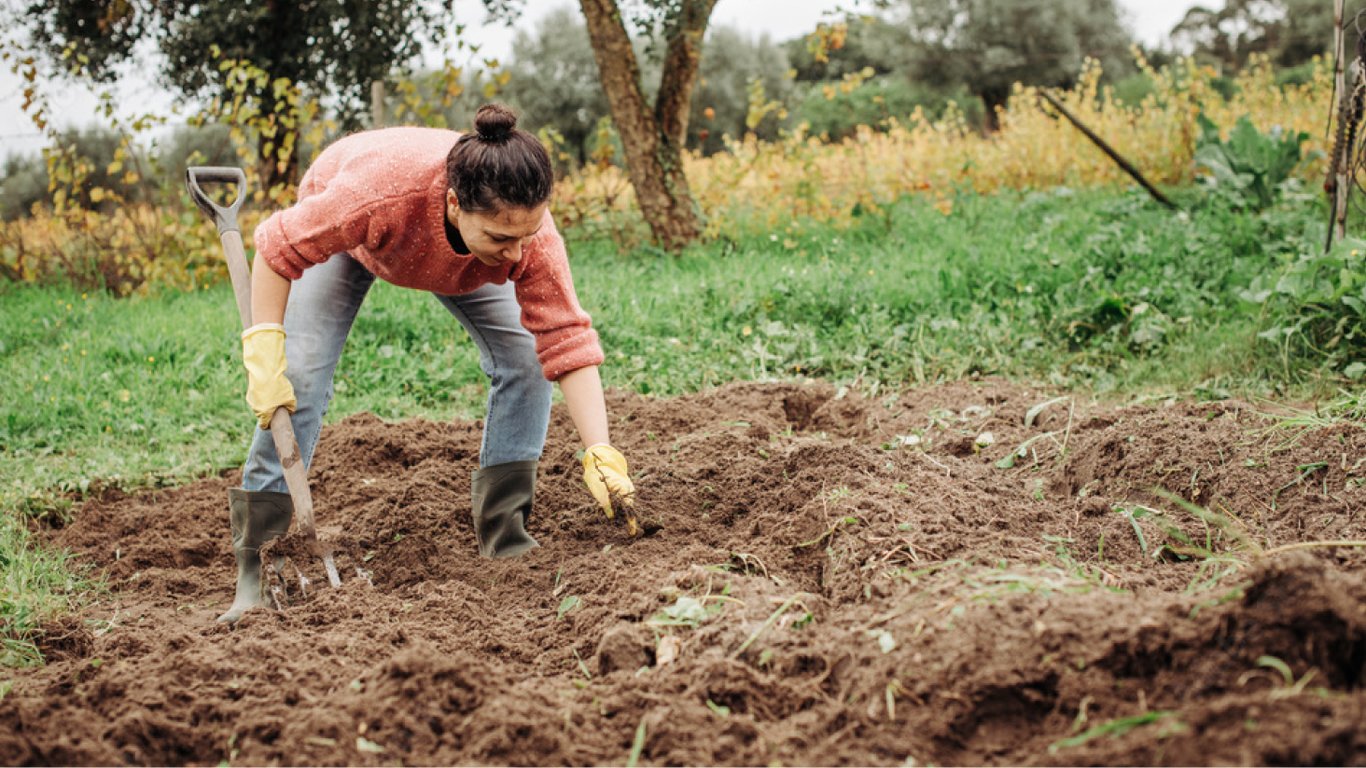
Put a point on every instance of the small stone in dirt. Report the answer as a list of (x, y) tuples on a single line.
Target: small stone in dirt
[(667, 650)]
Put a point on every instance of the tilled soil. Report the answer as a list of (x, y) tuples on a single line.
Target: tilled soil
[(830, 578)]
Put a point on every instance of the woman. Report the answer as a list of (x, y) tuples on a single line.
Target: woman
[(464, 217)]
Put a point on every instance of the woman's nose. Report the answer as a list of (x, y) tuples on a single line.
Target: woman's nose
[(513, 253)]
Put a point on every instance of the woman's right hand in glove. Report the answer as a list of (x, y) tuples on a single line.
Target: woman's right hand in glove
[(263, 354)]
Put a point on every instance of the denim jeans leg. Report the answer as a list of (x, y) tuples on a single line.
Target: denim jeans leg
[(519, 395), (323, 303)]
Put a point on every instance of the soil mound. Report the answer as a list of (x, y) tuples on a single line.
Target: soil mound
[(975, 573)]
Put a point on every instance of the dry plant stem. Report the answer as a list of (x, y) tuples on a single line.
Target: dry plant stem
[(623, 505), (1067, 431), (788, 603), (1312, 545), (628, 512)]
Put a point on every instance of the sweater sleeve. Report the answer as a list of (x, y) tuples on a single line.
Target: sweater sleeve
[(565, 339), (338, 217)]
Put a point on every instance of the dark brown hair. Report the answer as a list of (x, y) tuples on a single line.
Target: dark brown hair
[(498, 164)]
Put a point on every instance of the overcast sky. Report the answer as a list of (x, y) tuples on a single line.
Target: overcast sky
[(1150, 21)]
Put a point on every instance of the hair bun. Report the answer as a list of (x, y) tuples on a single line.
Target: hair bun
[(494, 122)]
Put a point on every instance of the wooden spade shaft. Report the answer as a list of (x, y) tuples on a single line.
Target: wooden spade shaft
[(281, 425)]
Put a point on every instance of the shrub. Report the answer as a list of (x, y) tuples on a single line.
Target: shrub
[(1251, 165), (1317, 304)]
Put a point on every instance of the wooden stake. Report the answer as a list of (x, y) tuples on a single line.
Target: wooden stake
[(1341, 160), (1108, 150), (377, 104)]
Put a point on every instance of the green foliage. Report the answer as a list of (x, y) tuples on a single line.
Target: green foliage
[(24, 183), (554, 80), (989, 45), (193, 145), (1290, 32), (732, 63), (1102, 292), (1300, 74), (1315, 305), (332, 48), (569, 603), (1250, 166), (1133, 89), (91, 237), (261, 65), (112, 220), (1096, 290), (274, 115), (1118, 727), (686, 611), (36, 585), (101, 148), (867, 42), (837, 112)]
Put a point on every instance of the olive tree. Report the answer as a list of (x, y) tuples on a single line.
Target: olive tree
[(990, 45)]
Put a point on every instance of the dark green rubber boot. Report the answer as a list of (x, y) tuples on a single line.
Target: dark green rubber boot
[(502, 503), (257, 517)]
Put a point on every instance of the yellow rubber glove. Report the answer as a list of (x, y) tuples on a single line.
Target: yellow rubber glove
[(263, 354), (607, 477)]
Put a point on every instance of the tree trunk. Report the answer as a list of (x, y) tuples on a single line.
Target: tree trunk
[(654, 158), (681, 63), (376, 103), (993, 100), (270, 173)]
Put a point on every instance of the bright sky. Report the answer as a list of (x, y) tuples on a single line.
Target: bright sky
[(1150, 21)]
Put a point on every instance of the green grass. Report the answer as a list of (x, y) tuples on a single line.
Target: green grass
[(1105, 292), (1119, 727), (35, 583)]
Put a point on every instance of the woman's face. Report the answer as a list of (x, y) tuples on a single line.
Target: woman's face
[(495, 237)]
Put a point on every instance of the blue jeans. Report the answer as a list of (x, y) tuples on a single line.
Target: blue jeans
[(322, 306)]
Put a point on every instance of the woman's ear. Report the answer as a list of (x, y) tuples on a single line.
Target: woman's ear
[(452, 203)]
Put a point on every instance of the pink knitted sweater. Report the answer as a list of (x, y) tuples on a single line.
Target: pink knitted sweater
[(381, 197)]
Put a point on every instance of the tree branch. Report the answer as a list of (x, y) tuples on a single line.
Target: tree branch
[(682, 61)]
